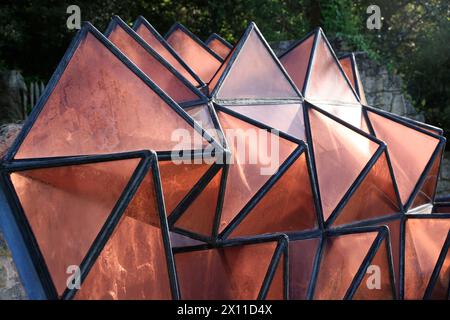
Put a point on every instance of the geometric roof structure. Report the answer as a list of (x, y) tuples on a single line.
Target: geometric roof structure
[(219, 45), (289, 186)]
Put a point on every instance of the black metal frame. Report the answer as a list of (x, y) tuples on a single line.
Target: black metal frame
[(234, 54), (179, 26), (147, 163), (323, 235), (436, 153), (281, 249), (116, 21), (355, 72), (142, 21), (215, 36)]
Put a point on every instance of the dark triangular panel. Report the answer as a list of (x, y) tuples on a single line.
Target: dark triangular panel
[(202, 60), (152, 64), (252, 71), (160, 45)]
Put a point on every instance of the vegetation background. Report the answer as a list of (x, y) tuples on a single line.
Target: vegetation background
[(414, 40)]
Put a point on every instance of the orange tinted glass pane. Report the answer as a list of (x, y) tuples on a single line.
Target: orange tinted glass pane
[(100, 106), (394, 233), (346, 64), (352, 114), (178, 179), (376, 283), (296, 61), (150, 65), (67, 206), (199, 216), (203, 117), (374, 197), (428, 189), (407, 163), (424, 240), (228, 273), (218, 47), (255, 74), (276, 289), (157, 45), (254, 156), (288, 206), (287, 118), (132, 265), (327, 82), (301, 263), (340, 155), (342, 257), (202, 62)]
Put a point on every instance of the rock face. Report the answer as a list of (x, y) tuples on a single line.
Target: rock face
[(10, 285)]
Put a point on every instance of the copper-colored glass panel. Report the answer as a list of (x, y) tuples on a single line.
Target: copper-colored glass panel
[(364, 127), (178, 240), (178, 179), (203, 117), (376, 283), (277, 287), (301, 263), (296, 61), (441, 287), (441, 209), (255, 74), (215, 79), (346, 64), (352, 114), (407, 163), (394, 233), (199, 216), (202, 62), (428, 189), (67, 206), (287, 118), (150, 65), (341, 259), (230, 273), (254, 155), (218, 47), (424, 240), (288, 206), (340, 155), (375, 196), (326, 81), (132, 265), (100, 106), (156, 44)]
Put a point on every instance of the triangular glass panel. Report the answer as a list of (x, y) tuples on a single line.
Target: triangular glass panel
[(202, 60), (152, 64), (253, 72), (407, 163), (374, 197), (67, 206), (160, 45), (219, 45), (350, 68)]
